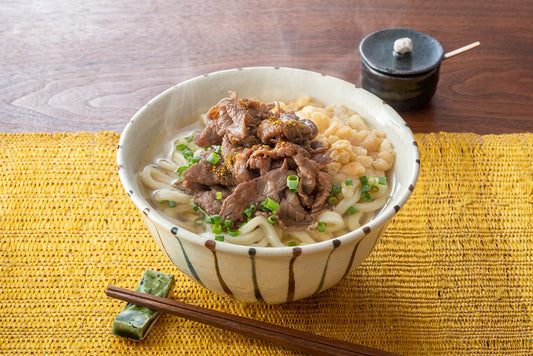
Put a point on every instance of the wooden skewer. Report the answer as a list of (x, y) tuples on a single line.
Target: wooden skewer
[(291, 338), (461, 50)]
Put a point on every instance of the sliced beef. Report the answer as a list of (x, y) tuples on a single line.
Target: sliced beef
[(319, 152), (243, 196), (207, 174), (237, 165), (323, 188), (299, 131), (218, 120), (292, 214), (270, 185), (286, 126), (209, 201), (259, 149), (244, 127), (315, 184), (270, 131)]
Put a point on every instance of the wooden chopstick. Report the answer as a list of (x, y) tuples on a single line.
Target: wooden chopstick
[(291, 338), (461, 50)]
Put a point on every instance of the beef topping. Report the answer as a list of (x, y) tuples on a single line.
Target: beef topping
[(259, 146)]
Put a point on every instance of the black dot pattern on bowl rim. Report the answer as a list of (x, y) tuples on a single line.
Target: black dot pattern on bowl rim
[(174, 230), (210, 244), (366, 229)]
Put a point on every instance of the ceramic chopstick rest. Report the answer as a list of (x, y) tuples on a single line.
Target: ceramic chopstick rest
[(134, 322)]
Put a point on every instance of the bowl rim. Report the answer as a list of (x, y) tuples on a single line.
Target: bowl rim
[(378, 222)]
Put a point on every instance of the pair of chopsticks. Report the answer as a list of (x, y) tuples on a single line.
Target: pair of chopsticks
[(291, 338)]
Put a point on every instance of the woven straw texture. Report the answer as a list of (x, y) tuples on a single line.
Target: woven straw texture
[(452, 274)]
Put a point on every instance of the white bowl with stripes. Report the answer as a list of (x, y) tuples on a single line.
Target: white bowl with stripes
[(262, 274)]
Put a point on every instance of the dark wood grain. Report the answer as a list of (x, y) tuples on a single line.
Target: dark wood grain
[(88, 66)]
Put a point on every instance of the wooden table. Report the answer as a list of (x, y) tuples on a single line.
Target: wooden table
[(88, 66)]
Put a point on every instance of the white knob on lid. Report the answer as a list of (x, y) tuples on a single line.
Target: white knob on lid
[(403, 45)]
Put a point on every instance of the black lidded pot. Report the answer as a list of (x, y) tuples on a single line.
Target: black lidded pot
[(405, 80)]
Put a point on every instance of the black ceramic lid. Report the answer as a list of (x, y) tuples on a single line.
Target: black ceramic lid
[(377, 51)]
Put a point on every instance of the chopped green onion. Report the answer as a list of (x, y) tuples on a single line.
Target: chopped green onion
[(219, 237), (333, 200), (181, 169), (269, 205), (217, 149), (335, 189), (181, 147), (292, 243), (195, 207), (170, 203), (227, 223), (213, 219), (348, 182), (199, 221), (351, 210), (272, 219), (187, 153), (213, 158), (190, 138), (195, 159), (217, 229), (249, 211), (369, 185), (218, 195), (292, 183), (321, 226), (233, 232)]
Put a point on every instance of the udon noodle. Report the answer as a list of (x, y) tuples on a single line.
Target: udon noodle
[(360, 173)]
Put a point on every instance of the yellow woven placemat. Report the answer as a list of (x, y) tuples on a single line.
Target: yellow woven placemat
[(452, 274)]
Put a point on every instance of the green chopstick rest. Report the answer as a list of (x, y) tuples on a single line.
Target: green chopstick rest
[(134, 322)]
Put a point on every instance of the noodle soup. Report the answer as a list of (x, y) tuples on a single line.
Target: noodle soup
[(330, 171), (247, 271)]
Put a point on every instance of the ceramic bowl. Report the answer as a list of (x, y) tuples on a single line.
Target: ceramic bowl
[(263, 274)]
